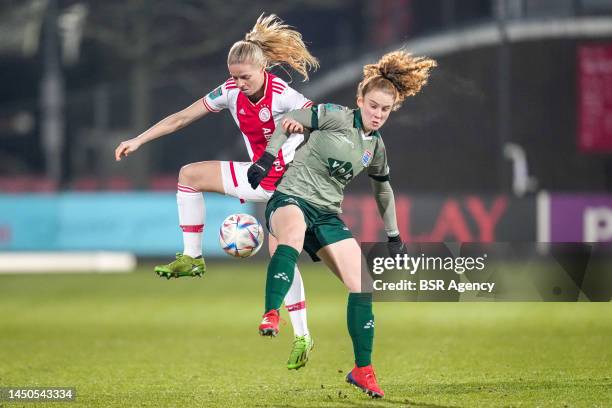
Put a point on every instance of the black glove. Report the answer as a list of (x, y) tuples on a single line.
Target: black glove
[(396, 246), (260, 169)]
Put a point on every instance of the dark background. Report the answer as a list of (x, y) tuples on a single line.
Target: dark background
[(137, 61)]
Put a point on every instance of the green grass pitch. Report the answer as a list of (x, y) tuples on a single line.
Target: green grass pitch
[(134, 340)]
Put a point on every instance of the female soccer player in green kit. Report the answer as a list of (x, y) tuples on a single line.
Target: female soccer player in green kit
[(303, 211)]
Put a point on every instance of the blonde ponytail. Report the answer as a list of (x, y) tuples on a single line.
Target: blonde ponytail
[(272, 42)]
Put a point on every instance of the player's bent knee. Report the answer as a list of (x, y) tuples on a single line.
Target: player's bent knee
[(294, 237), (188, 175), (353, 284), (272, 244), (289, 226), (202, 176)]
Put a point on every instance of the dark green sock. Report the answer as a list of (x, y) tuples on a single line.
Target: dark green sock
[(280, 276), (360, 321)]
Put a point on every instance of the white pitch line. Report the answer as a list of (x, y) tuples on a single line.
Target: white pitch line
[(66, 262)]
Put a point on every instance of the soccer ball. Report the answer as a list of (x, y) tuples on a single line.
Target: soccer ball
[(241, 235)]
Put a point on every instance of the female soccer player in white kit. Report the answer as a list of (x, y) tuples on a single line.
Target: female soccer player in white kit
[(256, 100)]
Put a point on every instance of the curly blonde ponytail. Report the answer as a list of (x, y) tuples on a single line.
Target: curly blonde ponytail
[(397, 72), (272, 42)]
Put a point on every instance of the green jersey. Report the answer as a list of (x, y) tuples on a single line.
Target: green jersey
[(334, 153)]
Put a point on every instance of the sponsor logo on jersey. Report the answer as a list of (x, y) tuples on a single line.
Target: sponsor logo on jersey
[(264, 114), (365, 159), (267, 133), (216, 93), (242, 112), (347, 140), (340, 170)]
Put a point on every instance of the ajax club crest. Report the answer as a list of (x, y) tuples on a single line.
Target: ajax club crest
[(264, 114)]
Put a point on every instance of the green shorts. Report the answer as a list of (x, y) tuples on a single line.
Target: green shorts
[(322, 227)]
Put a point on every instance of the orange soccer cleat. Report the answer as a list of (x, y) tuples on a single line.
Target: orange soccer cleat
[(269, 324), (365, 379)]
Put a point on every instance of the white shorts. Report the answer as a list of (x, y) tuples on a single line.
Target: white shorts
[(236, 184)]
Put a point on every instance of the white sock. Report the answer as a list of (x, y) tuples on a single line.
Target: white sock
[(295, 303), (191, 213)]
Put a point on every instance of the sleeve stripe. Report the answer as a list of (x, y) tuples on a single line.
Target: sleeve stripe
[(208, 107), (308, 104), (315, 117), (380, 178)]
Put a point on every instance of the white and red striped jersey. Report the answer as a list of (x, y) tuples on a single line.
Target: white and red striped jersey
[(257, 120)]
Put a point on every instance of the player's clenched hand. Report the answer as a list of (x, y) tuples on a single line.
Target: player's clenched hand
[(260, 169), (292, 126), (126, 147), (396, 246)]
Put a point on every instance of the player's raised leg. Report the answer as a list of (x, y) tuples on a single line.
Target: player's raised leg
[(288, 225), (344, 259), (194, 179), (295, 303)]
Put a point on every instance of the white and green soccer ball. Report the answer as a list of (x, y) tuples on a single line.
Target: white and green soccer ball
[(241, 235)]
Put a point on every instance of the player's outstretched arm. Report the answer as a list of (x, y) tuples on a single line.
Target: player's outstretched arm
[(166, 126), (386, 207), (293, 122)]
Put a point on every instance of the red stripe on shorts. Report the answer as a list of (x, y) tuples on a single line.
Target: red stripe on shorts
[(233, 174), (231, 164)]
